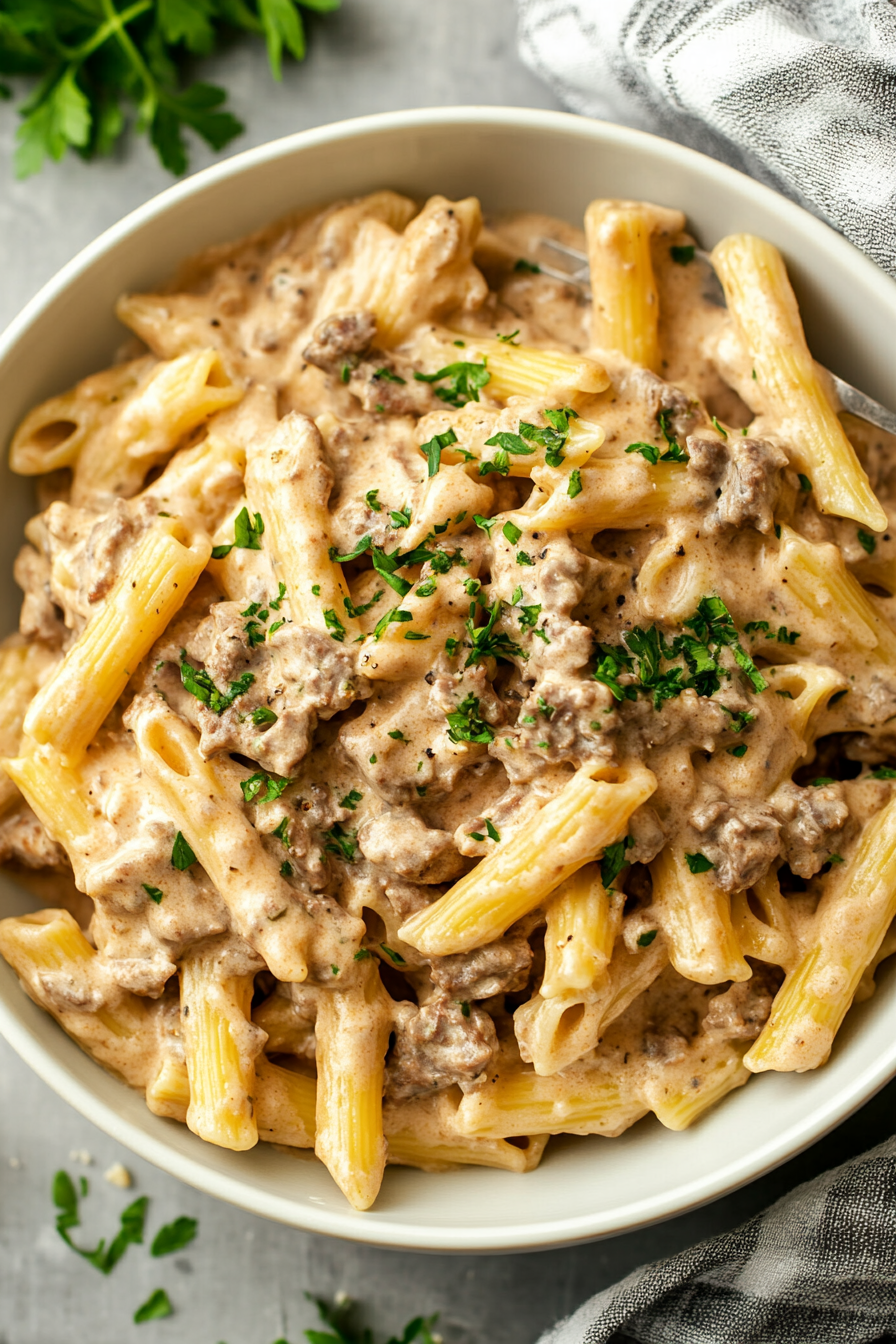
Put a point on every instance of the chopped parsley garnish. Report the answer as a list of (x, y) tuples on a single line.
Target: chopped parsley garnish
[(613, 861), (465, 725), (464, 1009), (102, 1257), (547, 710), (334, 625), (362, 954), (530, 267), (315, 589), (372, 501), (820, 782), (395, 957), (805, 483), (740, 719), (738, 751), (757, 628), (247, 532), (154, 893), (401, 517), (156, 1307), (511, 532), (509, 340), (462, 382), (255, 634), (396, 614), (263, 788), (262, 715), (785, 636), (432, 449), (674, 451), (198, 682), (717, 426), (427, 589), (652, 454), (345, 372), (174, 1236), (698, 863), (575, 483), (388, 376), (280, 831), (713, 626), (351, 609), (612, 662), (552, 438), (867, 541), (182, 855), (397, 735), (286, 868), (883, 772), (281, 593), (485, 642), (492, 831), (351, 799), (386, 564), (472, 587), (785, 695), (681, 255), (341, 842), (524, 558), (509, 443), (646, 938), (485, 523), (500, 464)]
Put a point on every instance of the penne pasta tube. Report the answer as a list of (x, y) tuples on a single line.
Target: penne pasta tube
[(677, 1104), (625, 302), (583, 920), (69, 709), (220, 1045), (817, 575), (767, 935), (285, 1104), (62, 973), (569, 831), (555, 1032), (168, 1092), (352, 1033), (23, 668), (55, 793), (855, 912), (263, 905), (583, 1100), (529, 371), (694, 915), (788, 383), (406, 647), (614, 493), (288, 482), (176, 397)]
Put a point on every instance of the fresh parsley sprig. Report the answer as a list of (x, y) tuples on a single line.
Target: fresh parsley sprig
[(465, 724), (462, 382), (93, 59), (338, 1317)]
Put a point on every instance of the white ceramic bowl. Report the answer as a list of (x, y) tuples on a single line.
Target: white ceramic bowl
[(513, 160)]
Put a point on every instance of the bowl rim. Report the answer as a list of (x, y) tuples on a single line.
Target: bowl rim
[(309, 1216)]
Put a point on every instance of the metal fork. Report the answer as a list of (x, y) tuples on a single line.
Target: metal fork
[(572, 266)]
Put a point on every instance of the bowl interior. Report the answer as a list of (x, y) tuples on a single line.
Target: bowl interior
[(512, 160)]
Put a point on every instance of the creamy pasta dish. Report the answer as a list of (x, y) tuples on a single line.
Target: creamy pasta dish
[(453, 705)]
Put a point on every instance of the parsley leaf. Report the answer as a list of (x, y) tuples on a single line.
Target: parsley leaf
[(263, 788), (698, 863), (182, 855), (648, 451), (805, 483), (511, 532), (341, 842), (262, 715), (154, 893), (614, 661), (613, 861), (465, 725), (509, 443), (156, 1307), (432, 449), (647, 937), (104, 1258), (90, 58), (351, 799), (681, 255), (883, 772), (530, 267), (395, 957), (334, 625), (198, 682), (575, 483), (372, 501), (174, 1236), (487, 644), (463, 382), (486, 524), (396, 614), (867, 541)]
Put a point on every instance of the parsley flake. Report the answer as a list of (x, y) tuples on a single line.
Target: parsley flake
[(867, 541), (154, 893), (465, 725), (341, 842), (198, 682), (698, 863), (432, 449), (646, 938), (182, 855), (683, 254), (462, 382)]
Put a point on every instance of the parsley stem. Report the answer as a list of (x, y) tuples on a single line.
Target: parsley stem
[(116, 22), (110, 28)]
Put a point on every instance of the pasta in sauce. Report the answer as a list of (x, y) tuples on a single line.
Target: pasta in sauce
[(466, 703)]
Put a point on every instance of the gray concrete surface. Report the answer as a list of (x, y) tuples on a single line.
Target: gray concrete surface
[(243, 1280)]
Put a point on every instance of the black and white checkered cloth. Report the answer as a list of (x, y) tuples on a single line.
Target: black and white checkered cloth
[(800, 94), (818, 1267)]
